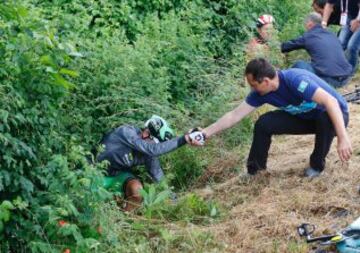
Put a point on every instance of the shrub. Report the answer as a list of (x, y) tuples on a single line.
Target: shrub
[(72, 70)]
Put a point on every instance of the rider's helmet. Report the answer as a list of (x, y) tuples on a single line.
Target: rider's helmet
[(159, 128), (264, 20)]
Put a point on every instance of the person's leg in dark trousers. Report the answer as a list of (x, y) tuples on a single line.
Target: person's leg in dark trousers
[(324, 135), (273, 123)]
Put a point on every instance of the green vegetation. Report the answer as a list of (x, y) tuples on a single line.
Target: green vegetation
[(72, 70)]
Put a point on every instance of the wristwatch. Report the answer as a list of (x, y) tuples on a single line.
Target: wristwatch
[(323, 23)]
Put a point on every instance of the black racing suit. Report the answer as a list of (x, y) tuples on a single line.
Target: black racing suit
[(125, 149)]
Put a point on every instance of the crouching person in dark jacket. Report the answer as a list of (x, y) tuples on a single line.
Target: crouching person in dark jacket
[(127, 147), (328, 59)]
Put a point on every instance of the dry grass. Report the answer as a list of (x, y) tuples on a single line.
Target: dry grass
[(263, 212)]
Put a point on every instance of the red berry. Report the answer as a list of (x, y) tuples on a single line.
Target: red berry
[(62, 223)]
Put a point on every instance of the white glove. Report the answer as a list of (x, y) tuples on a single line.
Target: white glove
[(197, 136)]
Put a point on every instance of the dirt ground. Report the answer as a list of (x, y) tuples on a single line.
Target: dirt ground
[(263, 212)]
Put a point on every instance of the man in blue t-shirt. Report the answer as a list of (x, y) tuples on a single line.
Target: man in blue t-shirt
[(307, 105)]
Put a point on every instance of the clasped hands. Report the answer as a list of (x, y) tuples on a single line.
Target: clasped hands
[(195, 137)]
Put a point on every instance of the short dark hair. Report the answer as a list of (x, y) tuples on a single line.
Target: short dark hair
[(260, 68), (320, 3)]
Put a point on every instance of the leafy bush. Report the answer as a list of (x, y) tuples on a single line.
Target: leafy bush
[(161, 203), (127, 233), (39, 178), (72, 70)]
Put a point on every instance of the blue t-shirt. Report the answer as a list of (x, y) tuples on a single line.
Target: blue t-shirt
[(295, 92)]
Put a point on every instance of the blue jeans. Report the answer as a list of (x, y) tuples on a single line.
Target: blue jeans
[(304, 65), (333, 81), (336, 82), (350, 42)]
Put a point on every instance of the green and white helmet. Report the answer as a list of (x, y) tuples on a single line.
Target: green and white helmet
[(159, 128)]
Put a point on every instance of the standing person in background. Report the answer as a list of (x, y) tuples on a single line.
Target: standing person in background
[(350, 27), (257, 46), (332, 67), (319, 6)]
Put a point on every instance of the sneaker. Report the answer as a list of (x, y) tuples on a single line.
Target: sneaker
[(311, 173)]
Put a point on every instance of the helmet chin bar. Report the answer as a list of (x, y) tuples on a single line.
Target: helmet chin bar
[(159, 128)]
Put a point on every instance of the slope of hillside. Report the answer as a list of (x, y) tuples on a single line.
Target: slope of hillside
[(263, 212)]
